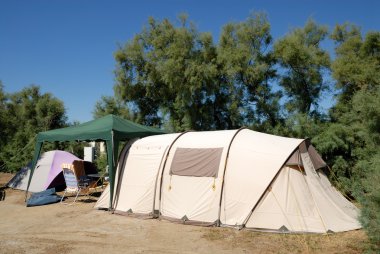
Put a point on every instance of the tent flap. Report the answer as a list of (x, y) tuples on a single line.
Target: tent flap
[(196, 162)]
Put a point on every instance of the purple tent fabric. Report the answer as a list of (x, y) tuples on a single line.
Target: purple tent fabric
[(47, 173), (59, 158)]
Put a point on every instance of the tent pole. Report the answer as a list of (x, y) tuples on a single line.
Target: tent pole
[(224, 173), (115, 147), (37, 151), (110, 159)]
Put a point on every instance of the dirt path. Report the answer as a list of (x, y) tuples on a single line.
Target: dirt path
[(79, 228)]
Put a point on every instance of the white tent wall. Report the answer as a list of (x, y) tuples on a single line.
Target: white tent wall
[(141, 172), (104, 200), (287, 203), (336, 216), (337, 197), (255, 158), (42, 175), (197, 198), (304, 202)]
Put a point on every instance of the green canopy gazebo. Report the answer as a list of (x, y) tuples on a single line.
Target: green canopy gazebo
[(111, 129)]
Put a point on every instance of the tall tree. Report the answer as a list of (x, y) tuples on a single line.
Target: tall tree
[(247, 67), (178, 74), (351, 142), (357, 64), (355, 70), (304, 64), (27, 113), (166, 72)]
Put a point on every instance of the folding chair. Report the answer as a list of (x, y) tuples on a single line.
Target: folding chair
[(75, 183)]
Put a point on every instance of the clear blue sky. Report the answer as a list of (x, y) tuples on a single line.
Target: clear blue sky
[(66, 47)]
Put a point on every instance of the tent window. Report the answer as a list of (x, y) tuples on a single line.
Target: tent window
[(196, 162)]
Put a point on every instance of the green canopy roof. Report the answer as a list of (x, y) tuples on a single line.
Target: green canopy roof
[(99, 129), (111, 129)]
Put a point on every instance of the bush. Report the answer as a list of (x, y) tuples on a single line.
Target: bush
[(370, 201)]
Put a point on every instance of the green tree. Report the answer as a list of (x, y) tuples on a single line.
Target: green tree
[(357, 64), (246, 68), (176, 74), (111, 105), (27, 113), (355, 78), (303, 64), (351, 141), (366, 173), (166, 72)]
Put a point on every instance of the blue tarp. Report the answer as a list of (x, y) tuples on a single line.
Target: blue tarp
[(43, 198)]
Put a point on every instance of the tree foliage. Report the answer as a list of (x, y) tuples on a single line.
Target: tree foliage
[(304, 63), (352, 139), (111, 105), (22, 115), (247, 67), (178, 75)]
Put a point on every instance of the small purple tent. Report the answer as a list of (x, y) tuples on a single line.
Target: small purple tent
[(47, 173)]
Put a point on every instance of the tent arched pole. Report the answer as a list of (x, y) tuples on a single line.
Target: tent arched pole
[(156, 182), (163, 170), (224, 173), (270, 183), (121, 166)]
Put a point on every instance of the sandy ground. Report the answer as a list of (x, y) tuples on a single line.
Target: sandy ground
[(79, 228)]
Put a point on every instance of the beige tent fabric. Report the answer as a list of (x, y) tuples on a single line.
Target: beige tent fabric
[(104, 199), (288, 203), (195, 198), (337, 213), (139, 178), (254, 160), (136, 178), (304, 202), (196, 162), (253, 187)]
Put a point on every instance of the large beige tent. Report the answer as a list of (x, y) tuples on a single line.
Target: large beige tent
[(239, 178)]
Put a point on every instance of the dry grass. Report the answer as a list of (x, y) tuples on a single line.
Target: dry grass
[(258, 242), (98, 232)]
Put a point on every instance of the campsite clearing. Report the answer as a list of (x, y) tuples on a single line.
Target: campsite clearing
[(79, 228)]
